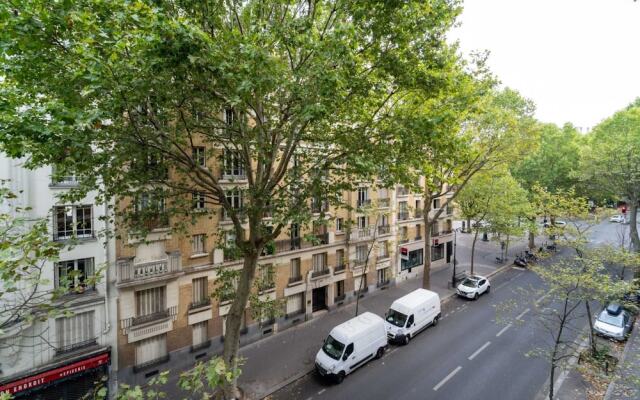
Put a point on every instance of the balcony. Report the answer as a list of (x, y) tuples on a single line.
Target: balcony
[(445, 232), (285, 245), (317, 273), (318, 207), (150, 222), (70, 348), (402, 191), (364, 203), (156, 316), (200, 303), (266, 286), (384, 203), (295, 279), (362, 233), (418, 214), (131, 273), (403, 240), (358, 263), (418, 238), (403, 215), (339, 269), (384, 229), (233, 175)]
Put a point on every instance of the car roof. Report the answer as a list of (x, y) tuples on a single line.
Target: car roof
[(476, 277), (614, 309)]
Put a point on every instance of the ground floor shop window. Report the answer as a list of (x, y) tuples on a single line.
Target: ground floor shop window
[(437, 252), (415, 258), (295, 304), (383, 278)]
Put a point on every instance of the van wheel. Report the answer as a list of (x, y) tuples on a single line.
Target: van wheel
[(380, 352), (340, 377), (435, 321), (488, 289), (406, 339)]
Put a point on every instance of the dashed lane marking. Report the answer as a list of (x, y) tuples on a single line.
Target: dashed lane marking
[(541, 298), (446, 378), (503, 330), (523, 313), (484, 346), (322, 391)]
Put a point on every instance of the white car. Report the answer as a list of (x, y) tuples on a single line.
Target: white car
[(473, 286), (558, 224), (617, 218)]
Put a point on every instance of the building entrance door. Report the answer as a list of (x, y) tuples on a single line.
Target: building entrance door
[(319, 299), (449, 251)]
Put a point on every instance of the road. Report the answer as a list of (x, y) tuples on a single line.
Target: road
[(469, 355)]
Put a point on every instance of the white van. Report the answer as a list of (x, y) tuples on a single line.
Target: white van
[(350, 345), (412, 313)]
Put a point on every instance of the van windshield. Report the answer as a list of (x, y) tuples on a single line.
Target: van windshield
[(333, 348), (396, 318)]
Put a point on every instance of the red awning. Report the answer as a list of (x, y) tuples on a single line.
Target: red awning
[(43, 378)]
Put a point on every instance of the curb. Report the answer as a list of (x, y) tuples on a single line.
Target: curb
[(302, 374)]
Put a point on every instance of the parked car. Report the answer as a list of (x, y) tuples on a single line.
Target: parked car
[(558, 224), (617, 218), (412, 313), (613, 322), (350, 345), (473, 286)]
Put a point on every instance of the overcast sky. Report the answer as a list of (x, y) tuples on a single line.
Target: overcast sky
[(578, 60)]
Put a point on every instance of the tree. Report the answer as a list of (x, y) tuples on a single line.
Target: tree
[(292, 94), (493, 198), (448, 140), (610, 162)]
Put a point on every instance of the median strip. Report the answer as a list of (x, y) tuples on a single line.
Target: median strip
[(446, 378), (503, 330), (484, 346)]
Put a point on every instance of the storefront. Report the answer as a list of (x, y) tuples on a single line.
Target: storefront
[(69, 382)]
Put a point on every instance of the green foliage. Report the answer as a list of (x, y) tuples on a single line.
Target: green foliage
[(206, 379)]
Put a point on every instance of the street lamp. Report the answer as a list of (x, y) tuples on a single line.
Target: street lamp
[(455, 261)]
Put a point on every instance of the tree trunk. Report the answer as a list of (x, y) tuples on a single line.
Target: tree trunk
[(428, 222), (592, 339), (234, 321), (633, 228), (532, 240), (473, 249), (506, 247), (468, 229)]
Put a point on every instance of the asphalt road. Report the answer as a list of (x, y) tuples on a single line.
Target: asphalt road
[(469, 355)]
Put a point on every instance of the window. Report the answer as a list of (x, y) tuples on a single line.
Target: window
[(295, 230), (416, 258), (72, 221), (198, 200), (418, 231), (383, 250), (362, 222), (361, 252), (149, 202), (404, 234), (339, 257), (403, 211), (349, 350), (200, 295), (382, 276), (437, 252), (230, 238), (267, 277), (73, 273), (384, 220), (75, 331), (436, 204), (339, 224), (198, 244), (434, 229), (363, 197), (153, 349), (151, 301), (198, 155), (236, 200), (199, 333), (295, 304), (233, 164), (229, 116), (418, 209), (61, 177), (295, 268), (340, 289), (410, 321), (319, 262)]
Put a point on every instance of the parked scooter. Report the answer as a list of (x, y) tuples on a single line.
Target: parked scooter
[(530, 256), (520, 261)]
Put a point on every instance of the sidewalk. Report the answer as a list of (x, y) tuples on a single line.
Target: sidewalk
[(627, 384)]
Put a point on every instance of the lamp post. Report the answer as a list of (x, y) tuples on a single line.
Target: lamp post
[(455, 261)]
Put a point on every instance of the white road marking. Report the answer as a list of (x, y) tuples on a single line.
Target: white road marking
[(523, 313), (500, 286), (541, 298), (503, 330), (519, 268), (309, 398), (446, 378), (484, 346), (322, 391)]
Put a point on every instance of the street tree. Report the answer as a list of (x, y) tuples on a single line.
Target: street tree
[(610, 162), (494, 200), (293, 94), (447, 141)]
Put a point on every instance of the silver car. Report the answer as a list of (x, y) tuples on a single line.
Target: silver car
[(613, 322)]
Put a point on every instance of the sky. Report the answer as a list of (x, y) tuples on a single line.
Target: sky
[(578, 60)]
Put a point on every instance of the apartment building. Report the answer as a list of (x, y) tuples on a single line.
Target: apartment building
[(61, 357), (166, 316)]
